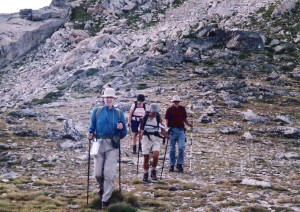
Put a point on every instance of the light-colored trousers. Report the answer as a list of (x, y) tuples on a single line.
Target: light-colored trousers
[(106, 160)]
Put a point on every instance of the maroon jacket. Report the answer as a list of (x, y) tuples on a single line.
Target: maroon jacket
[(176, 116)]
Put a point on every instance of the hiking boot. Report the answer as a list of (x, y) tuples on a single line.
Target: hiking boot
[(180, 168), (171, 169), (105, 204), (145, 177), (153, 175), (134, 149), (140, 147)]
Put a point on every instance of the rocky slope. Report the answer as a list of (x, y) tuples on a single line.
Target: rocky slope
[(234, 63)]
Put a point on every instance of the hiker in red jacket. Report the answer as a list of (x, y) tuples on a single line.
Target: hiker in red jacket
[(176, 117)]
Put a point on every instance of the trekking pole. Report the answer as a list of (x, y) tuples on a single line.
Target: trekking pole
[(191, 149), (120, 189), (138, 160), (88, 174), (162, 169)]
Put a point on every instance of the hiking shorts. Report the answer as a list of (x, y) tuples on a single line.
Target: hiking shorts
[(134, 126), (152, 145)]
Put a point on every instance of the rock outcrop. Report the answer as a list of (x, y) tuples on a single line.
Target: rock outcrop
[(21, 32)]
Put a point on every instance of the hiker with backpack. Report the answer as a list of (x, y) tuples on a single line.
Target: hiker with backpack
[(108, 126), (137, 111), (176, 117), (151, 140)]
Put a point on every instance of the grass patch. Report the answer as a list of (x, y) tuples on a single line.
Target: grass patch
[(6, 188), (28, 196), (42, 183), (209, 63), (80, 14), (22, 180), (229, 204), (63, 87), (121, 207), (177, 3), (50, 97), (132, 199), (107, 78), (256, 208), (49, 201), (92, 72), (142, 86), (187, 186)]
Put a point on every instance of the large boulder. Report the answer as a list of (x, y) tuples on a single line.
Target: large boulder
[(19, 33)]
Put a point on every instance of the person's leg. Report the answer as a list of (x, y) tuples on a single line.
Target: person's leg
[(134, 130), (154, 164), (181, 147), (155, 159), (98, 168), (110, 171), (146, 151), (134, 143), (146, 163), (172, 152)]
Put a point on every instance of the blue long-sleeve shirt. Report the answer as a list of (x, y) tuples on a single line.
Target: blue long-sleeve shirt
[(105, 124)]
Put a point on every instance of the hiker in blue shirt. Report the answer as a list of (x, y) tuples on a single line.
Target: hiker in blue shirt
[(108, 126)]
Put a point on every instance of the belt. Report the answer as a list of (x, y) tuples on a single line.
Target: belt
[(136, 118), (103, 137)]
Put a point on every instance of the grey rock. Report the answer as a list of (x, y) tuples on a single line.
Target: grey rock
[(288, 132), (58, 3), (272, 76), (254, 118), (25, 132), (69, 131), (18, 36), (4, 146), (246, 41), (24, 113), (68, 144), (204, 118), (289, 156), (252, 182), (248, 136), (233, 104), (227, 130), (284, 119), (285, 47)]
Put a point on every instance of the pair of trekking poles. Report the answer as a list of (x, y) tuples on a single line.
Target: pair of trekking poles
[(191, 153)]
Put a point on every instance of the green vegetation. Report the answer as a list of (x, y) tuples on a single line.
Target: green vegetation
[(52, 96), (142, 86), (121, 207), (92, 71), (80, 14), (177, 3), (107, 78), (254, 209), (266, 13)]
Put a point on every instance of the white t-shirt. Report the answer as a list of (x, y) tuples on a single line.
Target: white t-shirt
[(151, 125), (139, 111)]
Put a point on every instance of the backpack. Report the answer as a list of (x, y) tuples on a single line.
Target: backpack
[(145, 118), (135, 107)]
